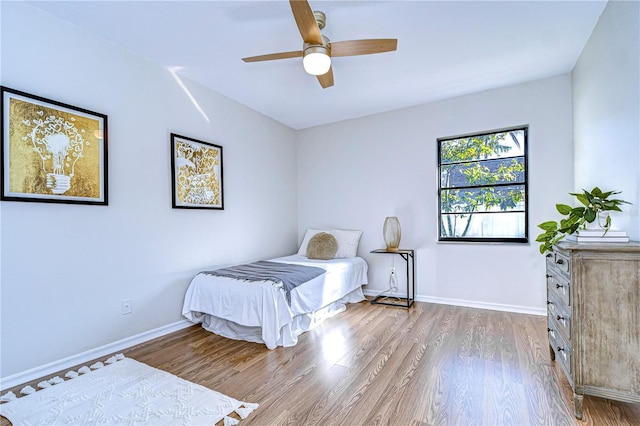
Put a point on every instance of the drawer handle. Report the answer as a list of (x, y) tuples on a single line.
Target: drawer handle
[(551, 332), (564, 353), (563, 320), (549, 255), (559, 261), (549, 276)]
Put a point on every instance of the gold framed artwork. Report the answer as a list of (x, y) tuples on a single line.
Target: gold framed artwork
[(196, 178), (52, 152)]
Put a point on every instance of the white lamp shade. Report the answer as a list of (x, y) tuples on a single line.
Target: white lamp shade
[(316, 63)]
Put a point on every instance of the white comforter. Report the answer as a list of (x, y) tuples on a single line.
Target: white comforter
[(259, 312)]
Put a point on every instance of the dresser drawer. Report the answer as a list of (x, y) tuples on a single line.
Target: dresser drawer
[(559, 286), (561, 349), (560, 322), (562, 264)]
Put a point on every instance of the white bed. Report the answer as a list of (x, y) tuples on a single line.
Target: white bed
[(258, 311)]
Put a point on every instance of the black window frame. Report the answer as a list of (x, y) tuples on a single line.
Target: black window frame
[(525, 156)]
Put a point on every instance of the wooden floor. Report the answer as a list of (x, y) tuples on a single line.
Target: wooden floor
[(374, 364)]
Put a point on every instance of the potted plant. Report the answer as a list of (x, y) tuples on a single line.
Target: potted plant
[(595, 202)]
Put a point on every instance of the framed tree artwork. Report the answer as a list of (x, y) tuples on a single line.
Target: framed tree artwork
[(196, 178), (52, 152)]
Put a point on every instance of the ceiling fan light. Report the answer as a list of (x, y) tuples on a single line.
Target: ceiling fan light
[(316, 60)]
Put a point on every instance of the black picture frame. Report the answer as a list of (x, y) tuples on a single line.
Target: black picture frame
[(52, 152), (196, 174)]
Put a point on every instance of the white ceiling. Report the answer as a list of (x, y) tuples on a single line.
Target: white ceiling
[(445, 48)]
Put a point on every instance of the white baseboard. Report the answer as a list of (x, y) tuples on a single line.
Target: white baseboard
[(84, 357), (470, 304)]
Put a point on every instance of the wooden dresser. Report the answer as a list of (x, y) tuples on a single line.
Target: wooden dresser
[(593, 307)]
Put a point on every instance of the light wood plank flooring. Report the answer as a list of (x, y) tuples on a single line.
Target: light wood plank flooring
[(374, 364)]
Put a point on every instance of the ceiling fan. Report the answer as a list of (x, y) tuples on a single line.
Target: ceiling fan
[(317, 50)]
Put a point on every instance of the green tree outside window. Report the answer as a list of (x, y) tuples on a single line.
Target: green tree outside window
[(483, 186)]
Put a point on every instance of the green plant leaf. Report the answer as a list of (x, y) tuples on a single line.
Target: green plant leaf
[(550, 225), (583, 199), (573, 228), (590, 198), (563, 208), (620, 201), (545, 236), (590, 215), (596, 192)]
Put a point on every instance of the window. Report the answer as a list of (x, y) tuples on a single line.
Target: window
[(482, 193)]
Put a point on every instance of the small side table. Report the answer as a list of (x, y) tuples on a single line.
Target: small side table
[(405, 302)]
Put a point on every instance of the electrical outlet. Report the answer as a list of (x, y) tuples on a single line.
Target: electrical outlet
[(127, 306), (393, 270)]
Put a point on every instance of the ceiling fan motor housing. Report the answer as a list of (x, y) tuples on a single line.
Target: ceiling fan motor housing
[(321, 18), (325, 47)]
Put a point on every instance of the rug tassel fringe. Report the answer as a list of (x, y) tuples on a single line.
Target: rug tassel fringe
[(9, 396), (27, 390), (97, 365), (84, 370), (248, 409), (44, 384), (71, 374), (56, 380), (111, 360), (230, 421)]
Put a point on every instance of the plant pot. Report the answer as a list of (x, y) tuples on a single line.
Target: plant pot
[(600, 223)]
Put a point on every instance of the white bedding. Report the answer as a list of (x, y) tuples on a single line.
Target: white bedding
[(259, 312)]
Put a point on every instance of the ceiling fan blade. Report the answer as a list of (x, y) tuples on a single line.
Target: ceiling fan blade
[(363, 47), (326, 80), (273, 56), (306, 22)]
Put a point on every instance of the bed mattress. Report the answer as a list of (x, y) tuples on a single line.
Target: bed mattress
[(259, 312)]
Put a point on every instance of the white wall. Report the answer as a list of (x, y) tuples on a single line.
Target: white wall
[(354, 173), (66, 268), (606, 103)]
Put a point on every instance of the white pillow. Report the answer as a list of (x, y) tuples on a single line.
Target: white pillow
[(348, 241)]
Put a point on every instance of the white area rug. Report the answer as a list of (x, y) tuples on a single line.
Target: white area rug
[(124, 392)]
